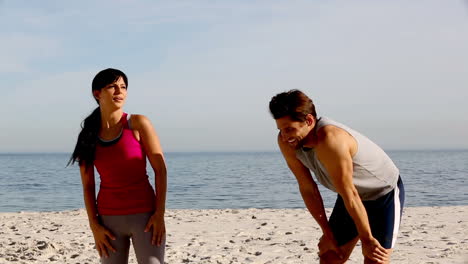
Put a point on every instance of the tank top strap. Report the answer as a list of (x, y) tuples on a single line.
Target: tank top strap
[(125, 117)]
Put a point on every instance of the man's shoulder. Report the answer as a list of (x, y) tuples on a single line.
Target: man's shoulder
[(331, 139), (329, 132)]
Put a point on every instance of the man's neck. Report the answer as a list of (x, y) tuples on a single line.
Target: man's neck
[(311, 140)]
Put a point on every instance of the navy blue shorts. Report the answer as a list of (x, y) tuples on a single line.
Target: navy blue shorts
[(384, 218)]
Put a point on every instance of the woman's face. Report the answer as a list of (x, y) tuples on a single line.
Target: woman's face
[(113, 95)]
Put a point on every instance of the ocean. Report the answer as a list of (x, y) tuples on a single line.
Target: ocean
[(207, 180)]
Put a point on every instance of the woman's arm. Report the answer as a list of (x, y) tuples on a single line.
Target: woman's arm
[(100, 233), (153, 150), (89, 193)]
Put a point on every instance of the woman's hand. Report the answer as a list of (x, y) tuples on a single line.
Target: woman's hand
[(156, 222), (101, 239)]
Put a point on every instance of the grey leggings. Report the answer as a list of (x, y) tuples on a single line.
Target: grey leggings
[(124, 227)]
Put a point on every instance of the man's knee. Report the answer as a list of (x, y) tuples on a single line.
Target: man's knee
[(369, 261), (331, 257)]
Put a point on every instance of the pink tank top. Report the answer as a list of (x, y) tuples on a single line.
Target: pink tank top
[(121, 164)]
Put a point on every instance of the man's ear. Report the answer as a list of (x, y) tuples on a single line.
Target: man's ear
[(310, 120), (96, 94)]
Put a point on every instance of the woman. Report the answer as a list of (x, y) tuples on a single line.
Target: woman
[(117, 144)]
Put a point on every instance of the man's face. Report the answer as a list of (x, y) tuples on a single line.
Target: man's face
[(293, 132)]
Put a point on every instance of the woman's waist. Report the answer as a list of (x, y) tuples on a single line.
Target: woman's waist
[(117, 201), (129, 192), (120, 183)]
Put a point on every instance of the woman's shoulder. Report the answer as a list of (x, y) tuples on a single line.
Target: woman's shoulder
[(139, 121)]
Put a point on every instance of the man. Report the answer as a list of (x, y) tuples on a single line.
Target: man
[(370, 191)]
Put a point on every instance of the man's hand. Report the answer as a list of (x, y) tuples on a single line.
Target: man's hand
[(329, 244), (372, 250)]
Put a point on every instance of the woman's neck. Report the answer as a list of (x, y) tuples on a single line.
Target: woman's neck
[(110, 119)]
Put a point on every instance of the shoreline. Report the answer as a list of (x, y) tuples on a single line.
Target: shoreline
[(427, 235)]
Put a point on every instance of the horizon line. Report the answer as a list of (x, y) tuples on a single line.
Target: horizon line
[(235, 151)]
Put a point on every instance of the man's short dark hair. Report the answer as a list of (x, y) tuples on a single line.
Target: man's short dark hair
[(294, 104)]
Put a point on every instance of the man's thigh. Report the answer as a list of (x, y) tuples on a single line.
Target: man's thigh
[(331, 257), (342, 224), (384, 216)]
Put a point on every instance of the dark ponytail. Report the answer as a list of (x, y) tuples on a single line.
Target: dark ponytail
[(85, 148), (87, 139)]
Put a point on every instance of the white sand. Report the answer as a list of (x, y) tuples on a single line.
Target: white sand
[(427, 235)]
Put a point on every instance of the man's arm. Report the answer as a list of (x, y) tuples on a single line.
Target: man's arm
[(308, 188), (335, 153)]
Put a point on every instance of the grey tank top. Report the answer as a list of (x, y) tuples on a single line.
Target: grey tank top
[(374, 173)]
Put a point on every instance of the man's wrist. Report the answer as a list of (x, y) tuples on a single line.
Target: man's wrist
[(366, 238), (328, 233)]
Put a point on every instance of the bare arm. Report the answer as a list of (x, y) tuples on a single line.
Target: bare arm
[(89, 193), (335, 152), (100, 233), (307, 186), (153, 150)]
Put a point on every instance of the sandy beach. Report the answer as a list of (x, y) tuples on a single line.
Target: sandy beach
[(427, 235)]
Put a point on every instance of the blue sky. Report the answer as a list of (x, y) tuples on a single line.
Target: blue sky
[(204, 71)]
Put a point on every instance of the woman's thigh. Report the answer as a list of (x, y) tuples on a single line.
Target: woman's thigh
[(117, 226), (145, 252)]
